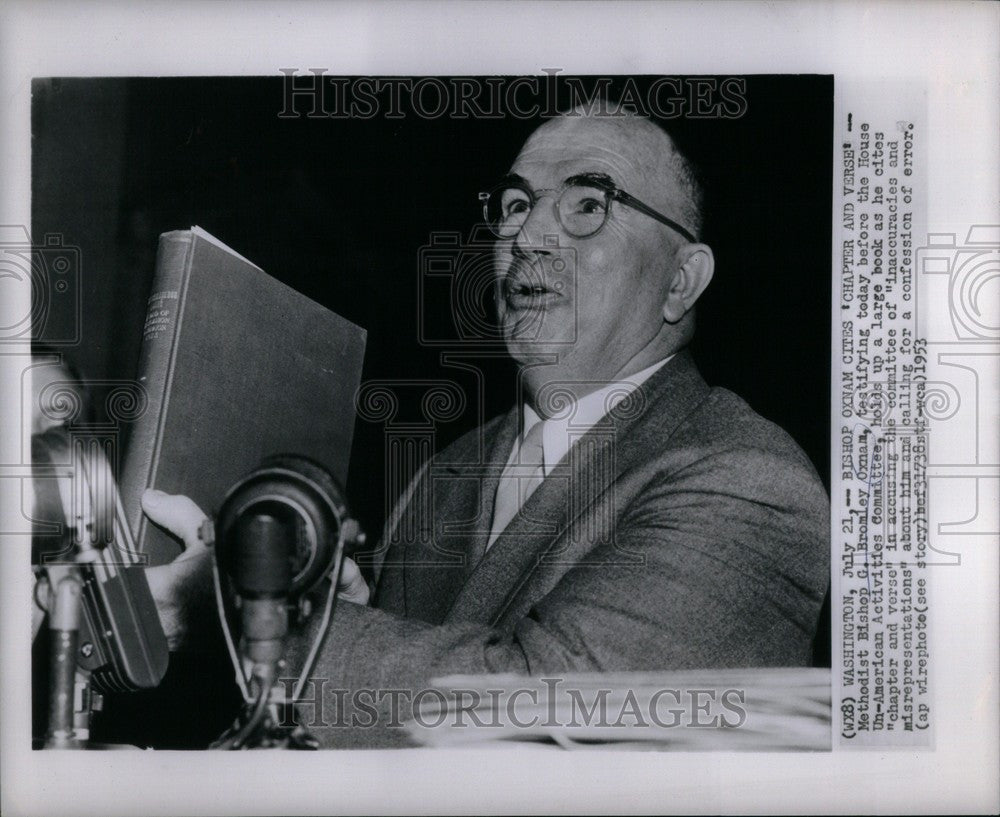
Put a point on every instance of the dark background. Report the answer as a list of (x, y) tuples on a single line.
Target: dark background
[(340, 208)]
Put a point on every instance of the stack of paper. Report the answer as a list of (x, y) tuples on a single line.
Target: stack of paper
[(725, 710)]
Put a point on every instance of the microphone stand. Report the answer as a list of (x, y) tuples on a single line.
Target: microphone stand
[(266, 722), (65, 730), (72, 699)]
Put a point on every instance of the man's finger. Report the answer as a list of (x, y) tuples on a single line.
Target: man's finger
[(352, 585), (176, 588), (349, 573), (178, 514)]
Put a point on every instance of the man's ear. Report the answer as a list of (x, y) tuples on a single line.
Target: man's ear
[(695, 265)]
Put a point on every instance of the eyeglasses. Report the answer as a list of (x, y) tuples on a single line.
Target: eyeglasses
[(582, 205)]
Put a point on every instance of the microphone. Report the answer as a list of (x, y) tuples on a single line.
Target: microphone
[(105, 633), (261, 571), (280, 532)]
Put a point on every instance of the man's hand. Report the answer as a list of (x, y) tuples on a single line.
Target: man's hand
[(178, 586)]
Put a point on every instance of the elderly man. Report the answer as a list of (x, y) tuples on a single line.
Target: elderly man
[(623, 516)]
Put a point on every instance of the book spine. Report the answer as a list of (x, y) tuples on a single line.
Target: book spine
[(156, 357)]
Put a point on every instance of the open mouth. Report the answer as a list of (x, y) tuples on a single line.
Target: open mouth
[(525, 287), (528, 295)]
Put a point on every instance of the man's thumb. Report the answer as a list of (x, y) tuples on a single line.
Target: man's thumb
[(177, 513)]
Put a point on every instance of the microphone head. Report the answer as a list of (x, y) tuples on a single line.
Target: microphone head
[(279, 530), (262, 559)]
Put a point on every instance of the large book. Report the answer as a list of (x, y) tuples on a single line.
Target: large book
[(235, 366)]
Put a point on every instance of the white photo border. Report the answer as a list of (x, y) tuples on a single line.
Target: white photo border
[(950, 48)]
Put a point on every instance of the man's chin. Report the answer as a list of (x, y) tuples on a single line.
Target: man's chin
[(532, 332), (527, 349)]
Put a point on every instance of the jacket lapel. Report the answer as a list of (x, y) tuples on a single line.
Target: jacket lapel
[(545, 531), (448, 521)]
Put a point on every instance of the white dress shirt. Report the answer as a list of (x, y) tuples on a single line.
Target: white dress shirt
[(558, 433)]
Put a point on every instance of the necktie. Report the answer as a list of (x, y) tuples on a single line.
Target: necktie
[(523, 474)]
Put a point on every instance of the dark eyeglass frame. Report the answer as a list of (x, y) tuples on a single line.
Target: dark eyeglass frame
[(613, 192)]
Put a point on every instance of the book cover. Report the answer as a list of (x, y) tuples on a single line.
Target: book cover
[(236, 366)]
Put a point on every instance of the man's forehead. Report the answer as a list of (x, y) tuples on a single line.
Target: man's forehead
[(623, 149), (547, 166)]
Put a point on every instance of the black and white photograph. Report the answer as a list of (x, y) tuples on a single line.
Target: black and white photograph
[(534, 415), (675, 527)]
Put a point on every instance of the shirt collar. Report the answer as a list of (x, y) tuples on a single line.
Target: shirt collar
[(559, 433)]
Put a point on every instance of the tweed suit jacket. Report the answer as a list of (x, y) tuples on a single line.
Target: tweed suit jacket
[(683, 531)]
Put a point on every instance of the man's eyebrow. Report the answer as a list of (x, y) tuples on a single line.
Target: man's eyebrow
[(515, 178), (601, 179), (589, 177)]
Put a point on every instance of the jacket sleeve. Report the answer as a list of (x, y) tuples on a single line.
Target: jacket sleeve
[(724, 564)]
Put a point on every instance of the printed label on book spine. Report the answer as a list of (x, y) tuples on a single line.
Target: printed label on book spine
[(161, 313)]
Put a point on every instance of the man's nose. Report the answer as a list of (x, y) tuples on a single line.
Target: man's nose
[(540, 234)]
